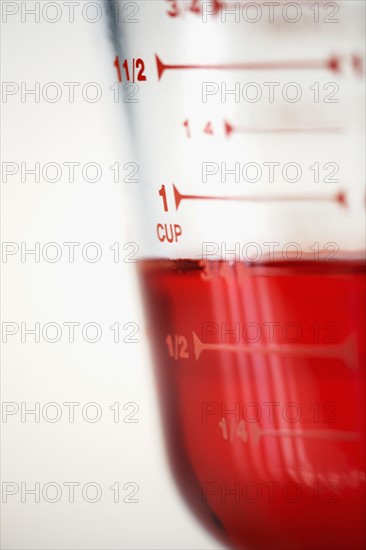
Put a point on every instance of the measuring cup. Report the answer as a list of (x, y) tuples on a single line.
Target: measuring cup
[(247, 122)]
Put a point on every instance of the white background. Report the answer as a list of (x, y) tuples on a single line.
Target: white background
[(105, 292)]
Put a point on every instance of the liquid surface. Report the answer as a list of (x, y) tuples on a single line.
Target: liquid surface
[(261, 379)]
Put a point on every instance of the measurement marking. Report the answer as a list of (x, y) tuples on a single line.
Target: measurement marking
[(335, 435), (339, 198), (344, 351), (229, 129), (331, 64), (118, 67), (133, 70)]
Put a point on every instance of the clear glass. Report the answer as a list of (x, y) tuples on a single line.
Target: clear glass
[(247, 120)]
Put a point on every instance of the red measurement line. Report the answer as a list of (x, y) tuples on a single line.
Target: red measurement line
[(133, 70), (339, 198), (337, 435), (332, 64), (344, 351), (229, 129)]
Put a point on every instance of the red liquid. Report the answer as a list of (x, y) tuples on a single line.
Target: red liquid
[(285, 468)]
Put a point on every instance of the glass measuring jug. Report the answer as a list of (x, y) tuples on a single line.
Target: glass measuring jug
[(247, 121)]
